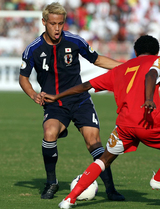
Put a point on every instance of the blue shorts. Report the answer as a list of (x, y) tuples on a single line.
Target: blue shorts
[(82, 114)]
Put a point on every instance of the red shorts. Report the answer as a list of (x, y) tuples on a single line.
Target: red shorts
[(126, 139)]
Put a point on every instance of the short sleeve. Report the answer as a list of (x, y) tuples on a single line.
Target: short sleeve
[(26, 66), (103, 82), (156, 66), (86, 51)]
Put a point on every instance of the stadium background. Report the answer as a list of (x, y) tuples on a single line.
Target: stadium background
[(110, 26), (22, 172)]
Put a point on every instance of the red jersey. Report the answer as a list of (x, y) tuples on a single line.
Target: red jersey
[(127, 81)]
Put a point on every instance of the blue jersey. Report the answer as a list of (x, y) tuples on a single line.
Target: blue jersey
[(58, 66)]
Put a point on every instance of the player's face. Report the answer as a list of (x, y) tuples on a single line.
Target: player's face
[(54, 26)]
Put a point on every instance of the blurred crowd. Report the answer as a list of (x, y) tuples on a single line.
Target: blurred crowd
[(110, 26)]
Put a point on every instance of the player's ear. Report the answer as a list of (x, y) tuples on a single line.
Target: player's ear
[(43, 22), (135, 53)]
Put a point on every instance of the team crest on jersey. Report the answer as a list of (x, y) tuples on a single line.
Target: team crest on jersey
[(68, 59), (90, 49), (23, 65)]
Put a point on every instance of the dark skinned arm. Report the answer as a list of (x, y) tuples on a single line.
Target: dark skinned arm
[(150, 82), (74, 90)]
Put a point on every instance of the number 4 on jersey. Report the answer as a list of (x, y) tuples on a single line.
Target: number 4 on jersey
[(45, 66)]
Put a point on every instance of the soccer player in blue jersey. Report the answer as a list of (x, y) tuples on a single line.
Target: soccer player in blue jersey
[(55, 57)]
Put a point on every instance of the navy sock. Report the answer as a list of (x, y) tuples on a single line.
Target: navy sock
[(106, 175), (50, 157)]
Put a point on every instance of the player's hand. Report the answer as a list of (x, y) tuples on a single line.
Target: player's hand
[(47, 97), (149, 105), (37, 98)]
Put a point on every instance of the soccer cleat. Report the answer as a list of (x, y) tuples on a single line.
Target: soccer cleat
[(49, 191), (153, 183), (66, 204), (115, 196)]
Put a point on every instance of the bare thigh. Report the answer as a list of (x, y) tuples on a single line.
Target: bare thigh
[(91, 137), (52, 128)]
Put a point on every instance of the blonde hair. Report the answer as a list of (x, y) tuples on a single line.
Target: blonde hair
[(54, 8)]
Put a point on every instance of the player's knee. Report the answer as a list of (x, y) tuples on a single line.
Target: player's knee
[(50, 134), (92, 138), (93, 144)]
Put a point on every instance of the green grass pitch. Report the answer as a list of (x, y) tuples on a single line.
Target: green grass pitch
[(22, 174)]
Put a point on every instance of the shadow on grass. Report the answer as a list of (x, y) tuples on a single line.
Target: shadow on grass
[(130, 195), (134, 196), (40, 184)]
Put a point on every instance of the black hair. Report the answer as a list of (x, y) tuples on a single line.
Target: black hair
[(146, 44)]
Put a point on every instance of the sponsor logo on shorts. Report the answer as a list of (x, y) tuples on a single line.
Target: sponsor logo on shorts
[(112, 141), (45, 117)]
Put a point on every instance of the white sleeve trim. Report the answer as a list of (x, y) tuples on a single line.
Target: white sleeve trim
[(156, 66), (158, 80), (157, 69)]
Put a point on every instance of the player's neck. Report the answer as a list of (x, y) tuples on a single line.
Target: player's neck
[(146, 54), (51, 41)]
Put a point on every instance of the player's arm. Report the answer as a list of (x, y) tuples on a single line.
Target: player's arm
[(150, 83), (74, 90), (28, 89), (106, 62)]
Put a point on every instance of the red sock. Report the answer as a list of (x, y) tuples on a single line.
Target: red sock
[(157, 176), (88, 177)]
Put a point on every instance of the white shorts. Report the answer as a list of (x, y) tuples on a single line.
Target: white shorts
[(114, 144)]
